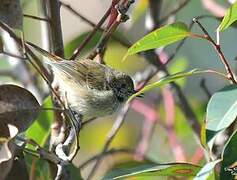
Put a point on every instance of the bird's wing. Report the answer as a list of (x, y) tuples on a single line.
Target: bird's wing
[(85, 72), (51, 57)]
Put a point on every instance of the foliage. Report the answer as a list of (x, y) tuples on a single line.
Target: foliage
[(170, 117), (229, 18)]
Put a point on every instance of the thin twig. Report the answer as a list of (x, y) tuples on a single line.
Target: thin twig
[(122, 17), (67, 6), (92, 24), (120, 119), (13, 55), (217, 47), (34, 57), (55, 32), (85, 123), (35, 17), (43, 153), (91, 34)]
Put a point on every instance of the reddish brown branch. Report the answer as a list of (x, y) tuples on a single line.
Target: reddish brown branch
[(217, 47), (121, 17), (92, 24), (91, 34)]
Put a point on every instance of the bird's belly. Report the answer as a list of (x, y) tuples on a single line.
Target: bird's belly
[(93, 104), (89, 103)]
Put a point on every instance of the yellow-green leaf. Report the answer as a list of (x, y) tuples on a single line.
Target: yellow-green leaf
[(155, 171), (229, 18), (161, 37), (166, 80)]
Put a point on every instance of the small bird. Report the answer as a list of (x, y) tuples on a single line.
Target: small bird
[(91, 89)]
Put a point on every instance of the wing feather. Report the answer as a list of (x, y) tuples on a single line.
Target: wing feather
[(86, 73)]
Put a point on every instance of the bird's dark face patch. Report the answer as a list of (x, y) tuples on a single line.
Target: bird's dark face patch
[(123, 87)]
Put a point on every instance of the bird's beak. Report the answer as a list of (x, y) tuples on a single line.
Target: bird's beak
[(140, 95)]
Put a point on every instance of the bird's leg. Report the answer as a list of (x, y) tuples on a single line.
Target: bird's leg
[(78, 118), (75, 114)]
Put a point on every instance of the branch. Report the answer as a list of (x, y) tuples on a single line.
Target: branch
[(91, 34), (92, 24), (13, 55), (28, 50), (217, 47), (55, 33), (55, 27), (121, 17), (35, 17)]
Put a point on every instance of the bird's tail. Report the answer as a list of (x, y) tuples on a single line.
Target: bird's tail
[(51, 57)]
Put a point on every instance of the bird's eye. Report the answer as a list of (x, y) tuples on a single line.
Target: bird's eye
[(123, 85)]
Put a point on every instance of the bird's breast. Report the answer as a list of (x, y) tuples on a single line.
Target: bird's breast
[(93, 103), (88, 102)]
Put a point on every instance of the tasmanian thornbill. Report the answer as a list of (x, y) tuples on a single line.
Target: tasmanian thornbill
[(91, 89)]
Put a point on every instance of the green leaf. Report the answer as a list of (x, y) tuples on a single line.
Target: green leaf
[(167, 80), (203, 135), (229, 18), (229, 157), (207, 170), (171, 169), (160, 37), (40, 129), (222, 109)]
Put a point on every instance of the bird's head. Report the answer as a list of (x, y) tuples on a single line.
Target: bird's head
[(122, 85)]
